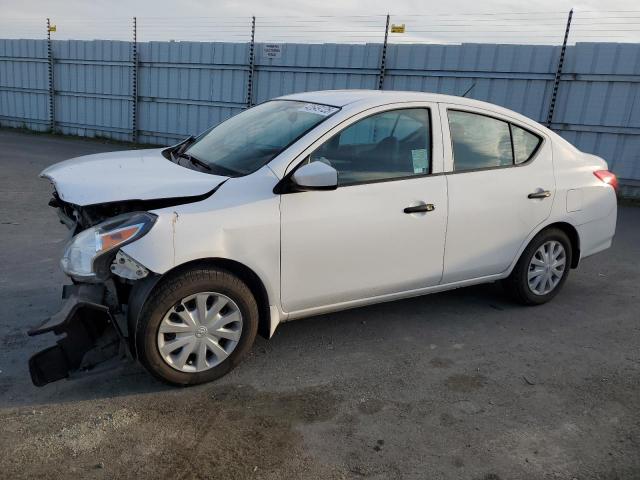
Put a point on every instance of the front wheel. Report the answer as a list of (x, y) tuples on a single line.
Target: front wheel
[(196, 326), (542, 268)]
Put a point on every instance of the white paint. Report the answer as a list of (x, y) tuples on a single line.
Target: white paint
[(574, 200), (128, 175), (490, 214), (323, 251)]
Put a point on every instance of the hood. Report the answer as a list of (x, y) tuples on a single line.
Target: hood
[(128, 175)]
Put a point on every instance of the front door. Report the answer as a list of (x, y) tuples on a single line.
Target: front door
[(357, 242)]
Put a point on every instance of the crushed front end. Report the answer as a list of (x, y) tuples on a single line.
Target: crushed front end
[(93, 320), (87, 323)]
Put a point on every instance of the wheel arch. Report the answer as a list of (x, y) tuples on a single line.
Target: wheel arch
[(567, 228), (143, 288), (574, 238)]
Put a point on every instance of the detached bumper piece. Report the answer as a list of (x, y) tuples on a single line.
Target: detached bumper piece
[(86, 321)]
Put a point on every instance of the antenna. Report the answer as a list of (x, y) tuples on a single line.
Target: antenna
[(469, 89)]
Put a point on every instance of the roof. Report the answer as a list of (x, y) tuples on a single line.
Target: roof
[(360, 99), (340, 98)]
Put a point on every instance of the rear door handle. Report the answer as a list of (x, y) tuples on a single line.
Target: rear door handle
[(543, 194), (429, 207)]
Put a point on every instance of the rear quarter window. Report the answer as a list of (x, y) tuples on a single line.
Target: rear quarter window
[(525, 144)]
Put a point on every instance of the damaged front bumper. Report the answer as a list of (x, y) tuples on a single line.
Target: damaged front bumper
[(92, 335)]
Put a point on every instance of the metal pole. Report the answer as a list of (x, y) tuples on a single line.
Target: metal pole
[(383, 57), (52, 101), (252, 57), (556, 81), (134, 82)]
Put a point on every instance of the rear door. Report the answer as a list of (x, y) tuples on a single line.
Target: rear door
[(501, 187), (357, 242)]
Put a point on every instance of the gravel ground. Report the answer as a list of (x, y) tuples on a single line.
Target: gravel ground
[(462, 384)]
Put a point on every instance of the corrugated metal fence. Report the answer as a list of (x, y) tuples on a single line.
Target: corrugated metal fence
[(182, 88)]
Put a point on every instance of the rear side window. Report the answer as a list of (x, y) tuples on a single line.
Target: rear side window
[(479, 141), (525, 144)]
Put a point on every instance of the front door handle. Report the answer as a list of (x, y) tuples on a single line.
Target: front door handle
[(543, 194), (428, 207)]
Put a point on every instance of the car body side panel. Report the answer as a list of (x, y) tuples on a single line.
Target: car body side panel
[(594, 214), (240, 222), (490, 214), (357, 239), (595, 221)]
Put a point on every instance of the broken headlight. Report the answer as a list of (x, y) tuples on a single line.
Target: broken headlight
[(86, 257)]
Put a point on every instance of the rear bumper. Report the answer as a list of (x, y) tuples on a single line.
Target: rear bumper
[(91, 335), (597, 235)]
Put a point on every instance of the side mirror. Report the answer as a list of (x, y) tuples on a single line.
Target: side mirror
[(315, 176)]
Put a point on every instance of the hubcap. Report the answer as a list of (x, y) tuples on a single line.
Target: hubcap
[(547, 267), (199, 332)]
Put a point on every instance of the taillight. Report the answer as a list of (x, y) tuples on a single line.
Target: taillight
[(607, 177)]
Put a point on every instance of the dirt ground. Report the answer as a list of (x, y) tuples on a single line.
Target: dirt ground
[(458, 385)]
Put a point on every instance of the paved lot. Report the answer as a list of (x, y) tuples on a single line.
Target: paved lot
[(462, 384)]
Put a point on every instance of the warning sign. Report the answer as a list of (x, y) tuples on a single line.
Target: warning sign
[(272, 50)]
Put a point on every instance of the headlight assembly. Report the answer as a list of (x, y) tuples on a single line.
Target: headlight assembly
[(86, 257)]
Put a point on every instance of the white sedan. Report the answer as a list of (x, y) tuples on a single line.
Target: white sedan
[(306, 204)]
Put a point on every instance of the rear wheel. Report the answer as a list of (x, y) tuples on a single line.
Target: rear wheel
[(196, 326), (542, 268)]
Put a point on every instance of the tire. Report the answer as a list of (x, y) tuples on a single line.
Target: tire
[(167, 306), (517, 284)]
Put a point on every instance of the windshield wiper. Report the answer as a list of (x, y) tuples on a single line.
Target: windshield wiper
[(186, 143), (194, 160), (220, 170)]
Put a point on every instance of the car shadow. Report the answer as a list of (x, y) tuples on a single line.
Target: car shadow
[(456, 309)]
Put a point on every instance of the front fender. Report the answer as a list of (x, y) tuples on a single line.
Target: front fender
[(239, 223)]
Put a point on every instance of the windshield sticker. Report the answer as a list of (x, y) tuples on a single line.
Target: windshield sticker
[(419, 158), (323, 110)]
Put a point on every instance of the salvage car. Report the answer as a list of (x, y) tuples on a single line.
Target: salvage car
[(307, 204)]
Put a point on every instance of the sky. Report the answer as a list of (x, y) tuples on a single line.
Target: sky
[(453, 21)]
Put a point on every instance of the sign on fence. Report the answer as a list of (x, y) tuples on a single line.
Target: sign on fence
[(272, 50)]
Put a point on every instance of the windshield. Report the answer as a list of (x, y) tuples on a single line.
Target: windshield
[(251, 139)]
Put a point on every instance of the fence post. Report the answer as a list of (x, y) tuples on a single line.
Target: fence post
[(252, 57), (383, 57), (556, 81), (52, 100), (134, 82)]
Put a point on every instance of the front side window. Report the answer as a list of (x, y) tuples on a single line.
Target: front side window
[(479, 141), (384, 146), (251, 139)]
